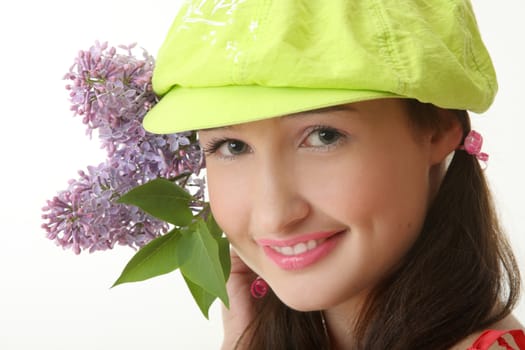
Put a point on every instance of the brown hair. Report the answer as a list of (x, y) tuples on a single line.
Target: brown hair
[(459, 277)]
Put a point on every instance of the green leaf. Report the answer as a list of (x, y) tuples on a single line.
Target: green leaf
[(203, 299), (202, 265), (213, 227), (224, 256), (224, 245), (162, 199), (156, 258)]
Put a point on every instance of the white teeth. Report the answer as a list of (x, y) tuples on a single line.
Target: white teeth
[(287, 250), (298, 248)]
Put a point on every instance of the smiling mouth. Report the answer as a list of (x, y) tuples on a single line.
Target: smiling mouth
[(301, 252), (298, 248)]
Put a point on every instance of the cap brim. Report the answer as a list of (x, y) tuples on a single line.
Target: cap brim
[(185, 109)]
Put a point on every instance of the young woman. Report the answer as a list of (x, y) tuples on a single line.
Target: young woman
[(343, 170)]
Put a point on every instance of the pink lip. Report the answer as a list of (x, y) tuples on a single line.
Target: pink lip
[(303, 260), (300, 239)]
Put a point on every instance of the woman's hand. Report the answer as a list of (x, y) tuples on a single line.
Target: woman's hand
[(241, 311)]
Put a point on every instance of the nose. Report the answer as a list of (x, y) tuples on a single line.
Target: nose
[(278, 206)]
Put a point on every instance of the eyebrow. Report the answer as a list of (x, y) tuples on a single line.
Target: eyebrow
[(337, 108)]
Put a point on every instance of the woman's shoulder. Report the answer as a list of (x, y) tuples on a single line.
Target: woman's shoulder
[(509, 328)]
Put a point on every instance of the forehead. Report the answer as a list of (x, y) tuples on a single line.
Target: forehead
[(319, 111), (370, 111)]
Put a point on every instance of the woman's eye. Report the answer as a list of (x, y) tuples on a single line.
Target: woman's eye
[(322, 136), (233, 147), (226, 148)]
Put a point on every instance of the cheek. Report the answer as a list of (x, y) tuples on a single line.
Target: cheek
[(228, 204), (385, 197)]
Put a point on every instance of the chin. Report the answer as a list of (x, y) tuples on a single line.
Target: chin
[(303, 307), (304, 303)]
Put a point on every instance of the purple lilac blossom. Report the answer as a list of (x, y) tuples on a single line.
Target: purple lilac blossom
[(85, 216), (112, 92)]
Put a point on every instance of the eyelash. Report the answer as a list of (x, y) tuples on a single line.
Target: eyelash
[(341, 137), (213, 145)]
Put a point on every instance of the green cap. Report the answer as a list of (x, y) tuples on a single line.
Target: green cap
[(236, 61)]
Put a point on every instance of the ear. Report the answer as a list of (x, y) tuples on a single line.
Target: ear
[(445, 138)]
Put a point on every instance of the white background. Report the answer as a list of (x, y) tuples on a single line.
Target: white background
[(53, 299)]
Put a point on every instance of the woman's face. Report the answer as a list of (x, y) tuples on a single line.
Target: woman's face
[(322, 204)]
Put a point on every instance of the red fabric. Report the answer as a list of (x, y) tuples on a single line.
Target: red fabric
[(490, 337)]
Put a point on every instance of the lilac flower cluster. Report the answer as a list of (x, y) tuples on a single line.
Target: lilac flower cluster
[(111, 90)]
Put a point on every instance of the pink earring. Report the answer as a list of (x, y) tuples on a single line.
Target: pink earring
[(259, 288), (472, 145)]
